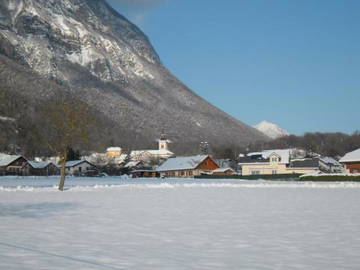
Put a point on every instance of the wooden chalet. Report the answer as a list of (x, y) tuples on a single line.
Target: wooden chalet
[(13, 165), (187, 166), (42, 168), (351, 161)]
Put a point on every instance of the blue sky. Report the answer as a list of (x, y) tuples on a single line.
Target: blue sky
[(294, 63)]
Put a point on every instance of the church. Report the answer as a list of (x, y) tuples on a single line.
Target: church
[(162, 153)]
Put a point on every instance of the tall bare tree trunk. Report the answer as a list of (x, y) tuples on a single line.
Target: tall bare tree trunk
[(62, 172)]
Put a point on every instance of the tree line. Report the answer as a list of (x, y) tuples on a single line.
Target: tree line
[(327, 144)]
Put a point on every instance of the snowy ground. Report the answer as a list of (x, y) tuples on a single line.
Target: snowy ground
[(172, 224)]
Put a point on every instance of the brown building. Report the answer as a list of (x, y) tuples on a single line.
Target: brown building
[(43, 168), (351, 161), (223, 171), (13, 165), (144, 174), (187, 166)]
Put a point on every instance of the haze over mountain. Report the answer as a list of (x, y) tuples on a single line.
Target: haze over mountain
[(271, 130), (85, 48)]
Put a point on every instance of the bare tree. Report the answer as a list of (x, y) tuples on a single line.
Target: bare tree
[(69, 123)]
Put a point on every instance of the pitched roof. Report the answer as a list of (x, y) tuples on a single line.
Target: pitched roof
[(222, 170), (283, 153), (39, 165), (161, 152), (114, 149), (329, 160), (182, 163), (74, 163), (6, 160), (132, 164), (353, 156)]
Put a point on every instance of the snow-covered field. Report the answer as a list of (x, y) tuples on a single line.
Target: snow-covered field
[(114, 223)]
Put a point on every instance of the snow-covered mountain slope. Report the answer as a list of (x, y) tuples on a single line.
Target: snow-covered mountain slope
[(271, 130), (88, 49)]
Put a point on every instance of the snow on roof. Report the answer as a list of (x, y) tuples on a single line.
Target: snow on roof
[(39, 165), (182, 163), (161, 152), (353, 156), (329, 160), (120, 159), (132, 164), (74, 163), (5, 160), (283, 153), (222, 170), (254, 154), (113, 149)]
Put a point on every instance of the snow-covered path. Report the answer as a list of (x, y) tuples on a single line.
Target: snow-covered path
[(176, 224)]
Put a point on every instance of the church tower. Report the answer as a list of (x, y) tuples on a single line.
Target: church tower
[(163, 142)]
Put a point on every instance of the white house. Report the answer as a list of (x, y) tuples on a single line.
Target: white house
[(272, 162), (78, 167)]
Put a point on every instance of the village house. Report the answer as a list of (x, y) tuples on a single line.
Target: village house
[(113, 152), (44, 168), (330, 165), (223, 172), (273, 162), (79, 167), (135, 165), (187, 166), (13, 165), (351, 161)]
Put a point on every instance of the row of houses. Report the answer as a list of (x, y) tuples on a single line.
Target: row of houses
[(270, 162), (273, 162), (19, 165)]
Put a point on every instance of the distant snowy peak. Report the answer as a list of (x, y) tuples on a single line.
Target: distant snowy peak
[(271, 130)]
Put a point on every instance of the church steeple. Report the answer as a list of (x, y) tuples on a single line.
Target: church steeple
[(163, 142), (163, 136)]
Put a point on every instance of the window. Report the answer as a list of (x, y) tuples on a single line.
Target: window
[(255, 172), (274, 172), (80, 169)]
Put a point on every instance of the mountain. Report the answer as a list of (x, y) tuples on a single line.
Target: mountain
[(87, 49), (271, 130)]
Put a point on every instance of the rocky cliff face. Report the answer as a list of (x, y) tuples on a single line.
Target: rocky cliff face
[(87, 48)]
